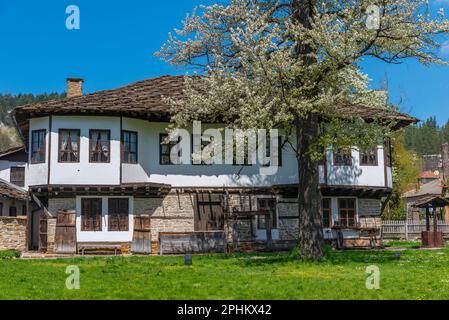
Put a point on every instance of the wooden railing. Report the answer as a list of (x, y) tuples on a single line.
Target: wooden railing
[(410, 229)]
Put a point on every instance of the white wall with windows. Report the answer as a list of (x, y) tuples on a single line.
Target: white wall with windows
[(143, 160), (104, 235)]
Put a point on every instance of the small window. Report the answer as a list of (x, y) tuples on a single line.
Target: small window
[(17, 176), (387, 151), (100, 145), (268, 152), (368, 157), (91, 214), (118, 213), (38, 146), (24, 210), (269, 206), (165, 149), (12, 211), (69, 145), (129, 145), (346, 212), (1, 209), (327, 213), (343, 157), (204, 144)]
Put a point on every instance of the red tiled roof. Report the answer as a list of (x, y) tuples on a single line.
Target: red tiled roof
[(429, 175)]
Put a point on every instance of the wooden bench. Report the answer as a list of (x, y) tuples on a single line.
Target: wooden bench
[(99, 247)]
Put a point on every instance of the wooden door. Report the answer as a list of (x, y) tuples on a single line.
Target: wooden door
[(65, 237), (209, 212), (142, 235), (43, 233)]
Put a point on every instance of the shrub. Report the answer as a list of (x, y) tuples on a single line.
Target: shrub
[(10, 254)]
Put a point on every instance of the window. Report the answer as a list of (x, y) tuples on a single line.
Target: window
[(387, 151), (69, 145), (1, 209), (91, 214), (165, 148), (24, 210), (368, 157), (327, 213), (17, 176), (118, 213), (209, 215), (343, 157), (129, 145), (99, 146), (266, 205), (12, 211), (204, 144), (346, 212), (268, 152), (38, 146)]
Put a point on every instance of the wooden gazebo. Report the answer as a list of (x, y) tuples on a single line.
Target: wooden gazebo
[(432, 239)]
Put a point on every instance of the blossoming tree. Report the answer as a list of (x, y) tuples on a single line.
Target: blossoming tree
[(293, 65)]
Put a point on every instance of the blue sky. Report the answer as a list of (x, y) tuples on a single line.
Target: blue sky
[(117, 39)]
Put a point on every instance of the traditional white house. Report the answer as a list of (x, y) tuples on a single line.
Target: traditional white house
[(104, 156)]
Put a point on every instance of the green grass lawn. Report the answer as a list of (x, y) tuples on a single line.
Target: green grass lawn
[(418, 274)]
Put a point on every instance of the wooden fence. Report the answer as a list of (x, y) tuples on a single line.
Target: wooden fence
[(410, 229), (192, 242)]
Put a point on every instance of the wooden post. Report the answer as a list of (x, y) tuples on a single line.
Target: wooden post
[(406, 228), (427, 219), (435, 226), (29, 239), (269, 228)]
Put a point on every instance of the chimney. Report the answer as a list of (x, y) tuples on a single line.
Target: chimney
[(445, 157), (74, 87)]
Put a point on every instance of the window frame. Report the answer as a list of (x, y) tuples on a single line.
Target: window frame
[(100, 201), (346, 210), (90, 145), (123, 146), (171, 144), (12, 211), (44, 146), (280, 149), (388, 153), (11, 175), (78, 143), (110, 215), (342, 164), (327, 211), (263, 225), (362, 153)]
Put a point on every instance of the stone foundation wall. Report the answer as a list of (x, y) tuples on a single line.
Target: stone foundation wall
[(13, 233), (369, 207), (288, 219), (174, 213)]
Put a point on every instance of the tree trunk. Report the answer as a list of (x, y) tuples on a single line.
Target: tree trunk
[(311, 239)]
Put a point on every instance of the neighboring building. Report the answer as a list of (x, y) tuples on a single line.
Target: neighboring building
[(432, 162), (101, 156), (431, 183), (428, 176), (13, 164)]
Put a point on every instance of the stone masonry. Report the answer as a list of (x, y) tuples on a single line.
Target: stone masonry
[(173, 213), (13, 233)]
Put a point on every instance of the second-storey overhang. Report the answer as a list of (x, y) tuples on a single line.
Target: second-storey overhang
[(129, 189), (366, 192)]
